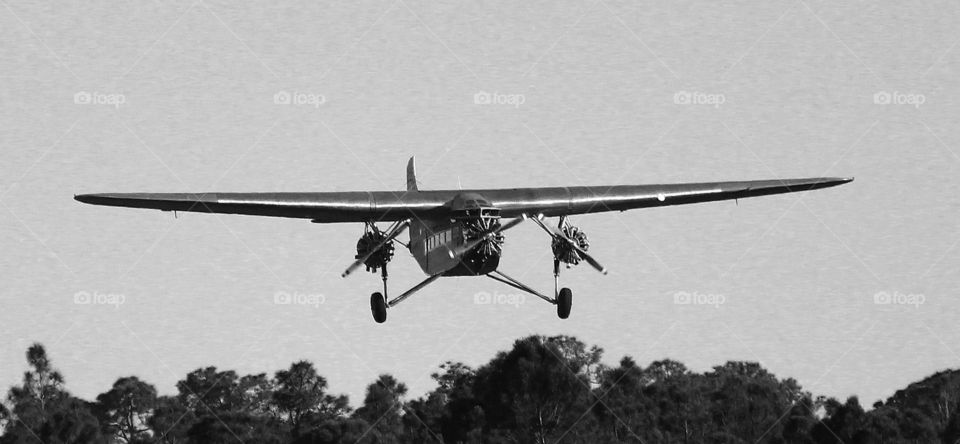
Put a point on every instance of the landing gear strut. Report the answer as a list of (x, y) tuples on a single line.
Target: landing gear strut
[(569, 246), (374, 250)]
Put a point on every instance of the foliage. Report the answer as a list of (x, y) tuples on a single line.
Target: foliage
[(544, 389)]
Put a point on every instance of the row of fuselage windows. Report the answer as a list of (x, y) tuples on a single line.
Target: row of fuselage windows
[(437, 239)]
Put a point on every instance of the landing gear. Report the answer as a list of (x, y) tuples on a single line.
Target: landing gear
[(569, 246), (564, 301), (374, 250), (378, 306)]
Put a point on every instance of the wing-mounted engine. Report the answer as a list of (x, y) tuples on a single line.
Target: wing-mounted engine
[(370, 250), (375, 247), (564, 250), (569, 244)]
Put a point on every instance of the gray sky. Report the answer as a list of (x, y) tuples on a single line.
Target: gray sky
[(182, 99)]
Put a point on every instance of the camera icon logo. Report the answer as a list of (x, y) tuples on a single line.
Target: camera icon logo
[(282, 298), (882, 98), (82, 98), (82, 298), (483, 298), (483, 98), (682, 97), (281, 98), (882, 298)]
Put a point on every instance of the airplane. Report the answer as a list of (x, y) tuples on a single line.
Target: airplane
[(460, 232)]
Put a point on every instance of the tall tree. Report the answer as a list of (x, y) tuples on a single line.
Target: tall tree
[(462, 416), (171, 420), (536, 392), (383, 407), (208, 391), (255, 395), (41, 392), (124, 409), (42, 410), (301, 397)]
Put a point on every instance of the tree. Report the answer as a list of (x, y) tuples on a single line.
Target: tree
[(232, 427), (843, 422), (799, 422), (41, 392), (42, 410), (747, 401), (383, 407), (338, 431), (124, 410), (301, 397), (171, 420), (624, 411), (461, 416), (205, 390), (536, 392), (255, 394)]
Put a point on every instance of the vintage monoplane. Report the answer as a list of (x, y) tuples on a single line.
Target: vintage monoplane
[(459, 232)]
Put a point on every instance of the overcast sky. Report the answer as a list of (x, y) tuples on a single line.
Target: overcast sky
[(180, 97)]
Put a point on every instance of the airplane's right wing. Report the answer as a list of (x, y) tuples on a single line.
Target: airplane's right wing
[(595, 199)]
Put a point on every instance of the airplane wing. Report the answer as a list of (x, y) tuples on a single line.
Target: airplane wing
[(596, 199), (362, 206)]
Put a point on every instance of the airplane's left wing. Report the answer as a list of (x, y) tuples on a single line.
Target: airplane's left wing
[(349, 206)]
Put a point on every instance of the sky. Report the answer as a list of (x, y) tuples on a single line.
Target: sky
[(849, 290)]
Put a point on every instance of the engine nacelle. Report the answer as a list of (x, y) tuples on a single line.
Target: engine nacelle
[(378, 259), (562, 249)]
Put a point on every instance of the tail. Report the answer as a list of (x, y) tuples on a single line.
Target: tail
[(411, 175)]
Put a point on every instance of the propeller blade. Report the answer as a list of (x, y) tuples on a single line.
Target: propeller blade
[(461, 250), (391, 235), (590, 260)]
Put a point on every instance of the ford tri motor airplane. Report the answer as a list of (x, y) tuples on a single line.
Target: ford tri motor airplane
[(459, 232)]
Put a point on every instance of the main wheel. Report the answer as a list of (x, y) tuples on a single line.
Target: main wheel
[(564, 302), (378, 305)]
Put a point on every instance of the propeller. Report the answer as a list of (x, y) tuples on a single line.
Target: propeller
[(389, 237), (461, 250), (560, 235)]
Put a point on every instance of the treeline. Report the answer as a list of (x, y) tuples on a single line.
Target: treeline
[(545, 389)]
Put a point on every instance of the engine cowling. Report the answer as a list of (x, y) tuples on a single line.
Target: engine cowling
[(563, 251), (476, 227), (379, 258)]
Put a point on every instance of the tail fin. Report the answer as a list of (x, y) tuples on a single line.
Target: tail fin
[(411, 175)]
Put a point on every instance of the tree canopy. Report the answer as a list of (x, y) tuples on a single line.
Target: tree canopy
[(543, 389)]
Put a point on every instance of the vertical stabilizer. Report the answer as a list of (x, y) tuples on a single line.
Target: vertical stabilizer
[(411, 175)]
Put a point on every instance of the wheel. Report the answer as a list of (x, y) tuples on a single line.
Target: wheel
[(564, 301), (378, 306)]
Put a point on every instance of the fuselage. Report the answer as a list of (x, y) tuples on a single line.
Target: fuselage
[(433, 240)]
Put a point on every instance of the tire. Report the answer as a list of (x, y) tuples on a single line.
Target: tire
[(564, 303), (378, 306)]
